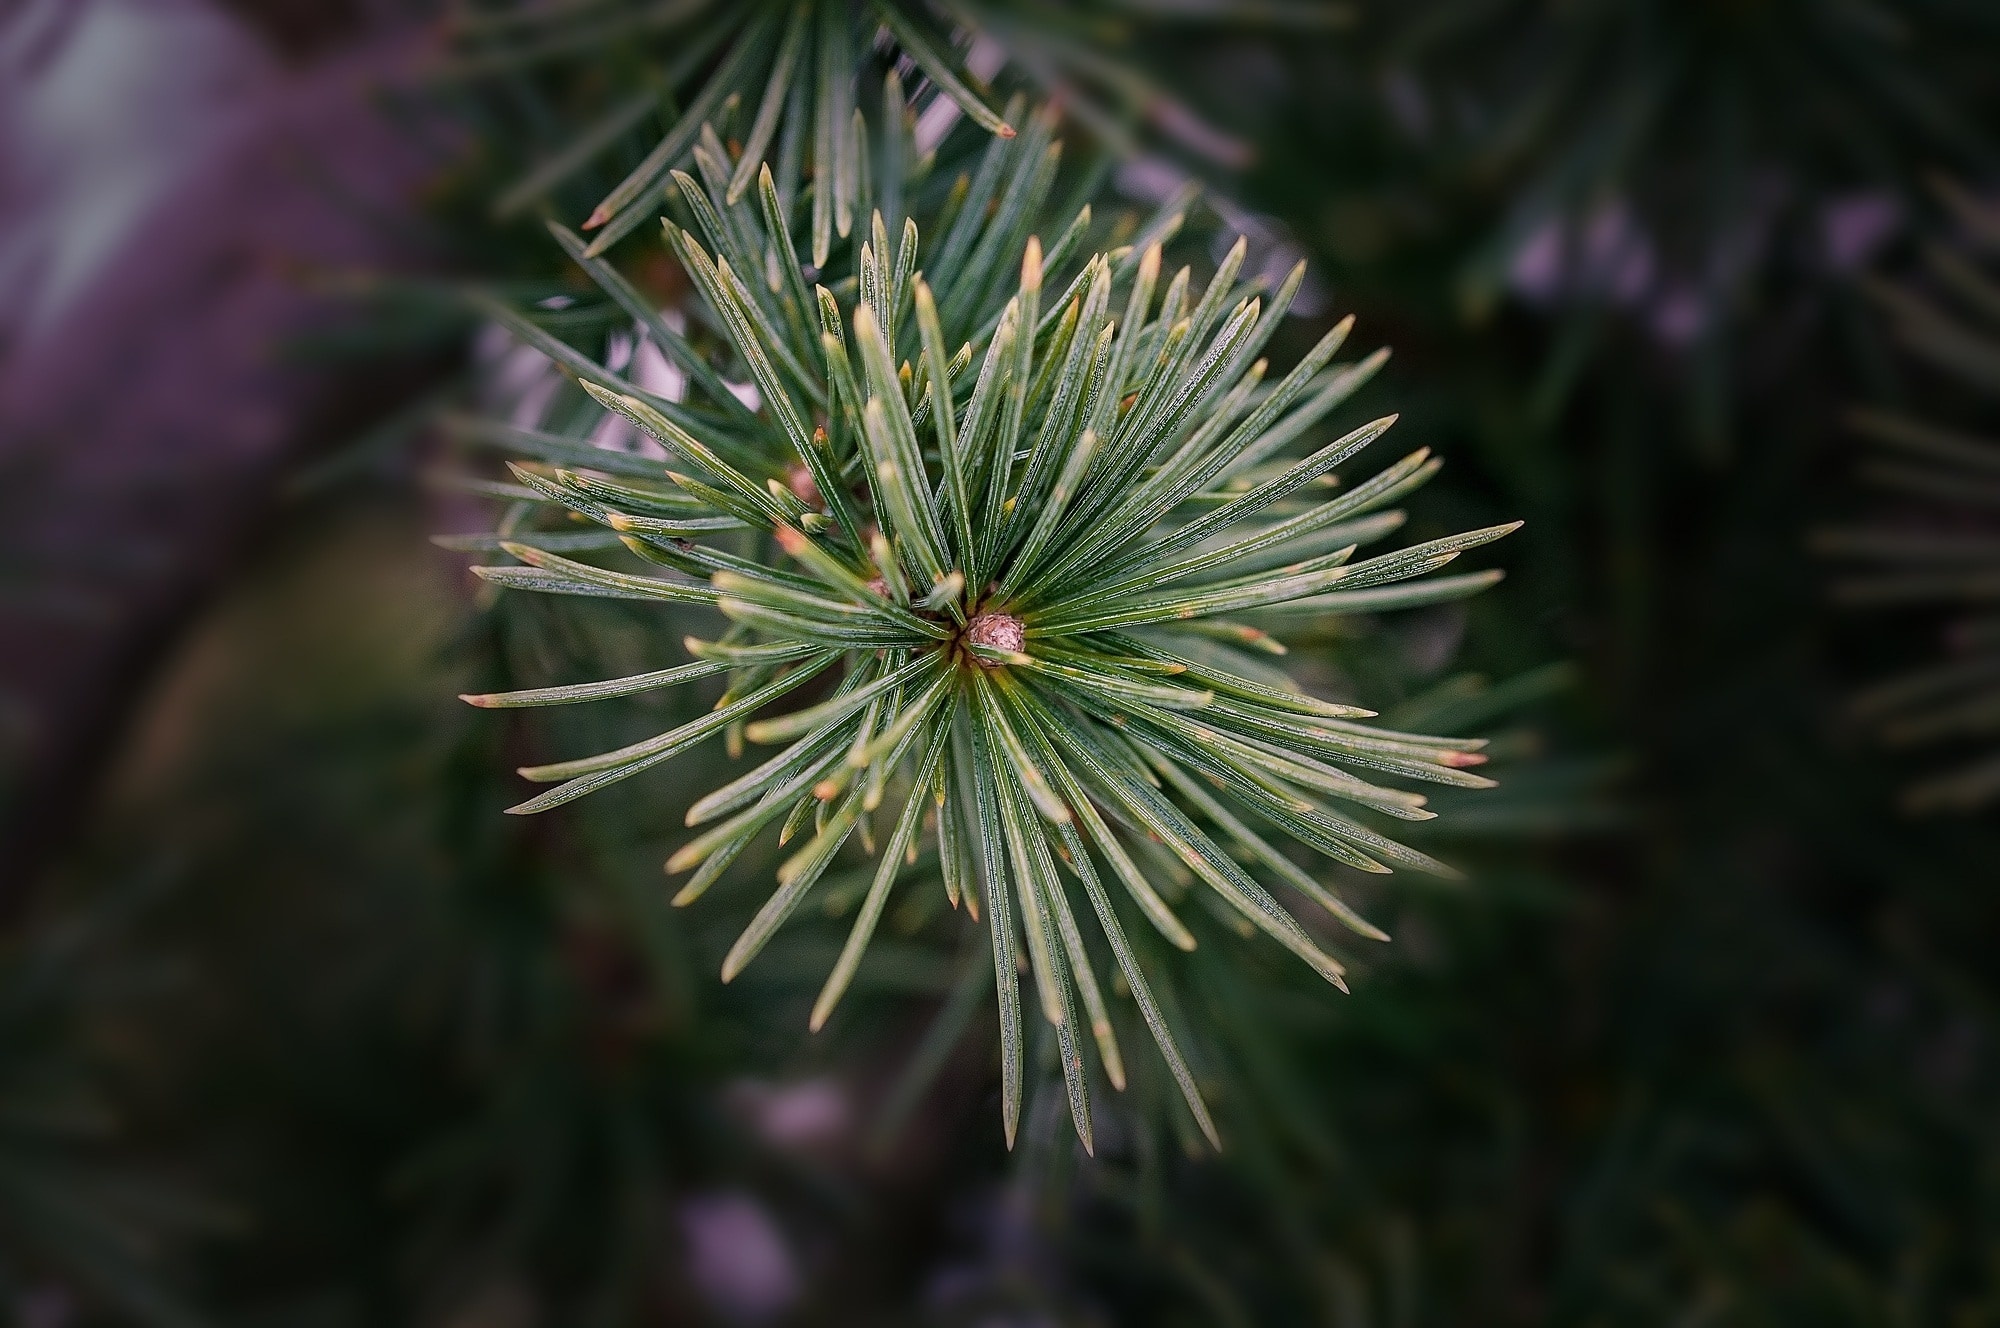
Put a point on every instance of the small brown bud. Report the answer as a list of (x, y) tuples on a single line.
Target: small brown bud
[(999, 631)]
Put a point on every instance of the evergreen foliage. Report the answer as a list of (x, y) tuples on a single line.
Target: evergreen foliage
[(1720, 1052), (1021, 533), (1934, 544), (71, 1205)]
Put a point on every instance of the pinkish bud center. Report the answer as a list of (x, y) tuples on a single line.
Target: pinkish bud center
[(997, 631)]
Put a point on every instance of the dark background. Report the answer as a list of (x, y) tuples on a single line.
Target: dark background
[(295, 1029)]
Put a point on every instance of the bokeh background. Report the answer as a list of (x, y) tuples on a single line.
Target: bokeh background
[(296, 1030)]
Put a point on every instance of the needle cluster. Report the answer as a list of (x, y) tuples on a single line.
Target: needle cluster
[(1009, 542)]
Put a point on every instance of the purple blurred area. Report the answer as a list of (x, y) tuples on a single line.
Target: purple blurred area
[(173, 174)]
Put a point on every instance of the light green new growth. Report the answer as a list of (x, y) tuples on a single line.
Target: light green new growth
[(1010, 507)]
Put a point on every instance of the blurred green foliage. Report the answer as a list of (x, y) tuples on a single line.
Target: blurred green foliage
[(1931, 549), (1718, 1046)]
